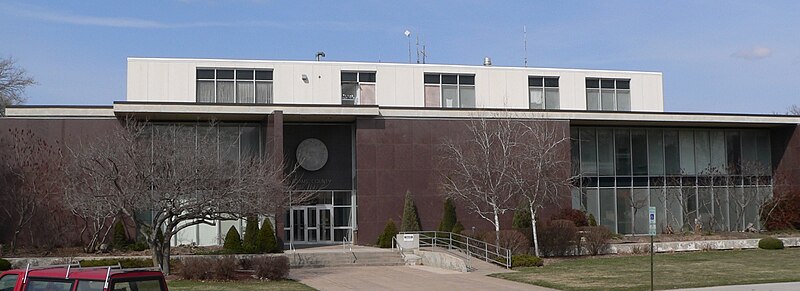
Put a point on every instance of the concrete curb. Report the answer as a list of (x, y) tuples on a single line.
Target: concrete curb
[(688, 246)]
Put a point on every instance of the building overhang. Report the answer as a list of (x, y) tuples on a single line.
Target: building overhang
[(184, 111)]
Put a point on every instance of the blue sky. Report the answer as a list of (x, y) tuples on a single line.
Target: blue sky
[(716, 56)]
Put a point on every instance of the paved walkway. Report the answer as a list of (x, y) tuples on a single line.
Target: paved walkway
[(793, 286), (401, 278)]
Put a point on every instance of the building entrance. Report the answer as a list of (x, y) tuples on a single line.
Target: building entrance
[(312, 224), (328, 217)]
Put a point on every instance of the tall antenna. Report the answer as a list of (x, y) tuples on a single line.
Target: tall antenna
[(407, 33), (417, 49), (525, 43)]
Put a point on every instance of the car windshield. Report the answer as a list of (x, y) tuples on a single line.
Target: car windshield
[(8, 282), (35, 284)]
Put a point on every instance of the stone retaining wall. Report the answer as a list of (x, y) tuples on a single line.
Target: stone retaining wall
[(684, 246)]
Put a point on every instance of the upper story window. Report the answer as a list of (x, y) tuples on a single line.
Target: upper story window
[(358, 88), (449, 90), (234, 86), (543, 92), (608, 94)]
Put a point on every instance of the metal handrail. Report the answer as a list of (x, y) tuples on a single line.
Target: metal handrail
[(471, 247), (399, 248)]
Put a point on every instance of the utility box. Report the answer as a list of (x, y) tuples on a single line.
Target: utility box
[(408, 241)]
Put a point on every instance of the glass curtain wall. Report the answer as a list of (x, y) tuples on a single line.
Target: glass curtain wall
[(234, 142), (712, 179)]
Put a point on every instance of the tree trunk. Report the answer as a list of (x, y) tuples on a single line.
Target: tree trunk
[(165, 254), (497, 230), (533, 230)]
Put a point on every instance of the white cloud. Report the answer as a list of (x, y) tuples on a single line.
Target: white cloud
[(123, 22), (755, 53)]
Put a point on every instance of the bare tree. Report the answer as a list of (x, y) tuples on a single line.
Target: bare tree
[(541, 176), (793, 110), (479, 169), (31, 178), (13, 81), (501, 162), (182, 176)]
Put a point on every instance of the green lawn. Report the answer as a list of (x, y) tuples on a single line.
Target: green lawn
[(177, 285), (678, 270)]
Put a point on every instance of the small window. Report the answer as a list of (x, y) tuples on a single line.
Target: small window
[(358, 88), (432, 78), (49, 284), (244, 74), (140, 285), (264, 75), (449, 90), (225, 74), (543, 92), (234, 86), (205, 74), (608, 94), (87, 285)]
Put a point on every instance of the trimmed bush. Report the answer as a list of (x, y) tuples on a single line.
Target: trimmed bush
[(5, 265), (770, 243), (449, 218), (557, 238), (390, 231), (266, 240), (526, 261), (410, 220), (576, 216), (596, 239), (120, 239), (138, 246), (249, 244), (223, 268), (233, 241), (272, 267), (522, 218)]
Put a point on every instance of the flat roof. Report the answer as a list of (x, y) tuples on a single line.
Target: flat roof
[(333, 112), (458, 66)]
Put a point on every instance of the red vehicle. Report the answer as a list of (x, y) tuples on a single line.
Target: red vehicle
[(75, 278)]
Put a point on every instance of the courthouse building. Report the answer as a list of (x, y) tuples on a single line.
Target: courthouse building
[(367, 133)]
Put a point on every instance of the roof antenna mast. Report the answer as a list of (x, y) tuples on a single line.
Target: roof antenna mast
[(525, 43)]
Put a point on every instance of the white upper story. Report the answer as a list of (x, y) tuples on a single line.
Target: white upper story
[(391, 85)]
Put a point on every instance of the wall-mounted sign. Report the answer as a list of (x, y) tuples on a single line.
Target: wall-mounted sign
[(312, 154), (408, 237)]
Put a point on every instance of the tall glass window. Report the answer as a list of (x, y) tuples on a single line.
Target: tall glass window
[(707, 176)]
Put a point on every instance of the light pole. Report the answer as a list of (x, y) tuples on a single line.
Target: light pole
[(408, 36)]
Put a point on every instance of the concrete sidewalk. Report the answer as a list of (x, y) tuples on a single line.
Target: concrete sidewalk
[(793, 286), (401, 278)]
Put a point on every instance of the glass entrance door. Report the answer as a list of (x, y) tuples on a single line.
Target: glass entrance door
[(299, 224), (311, 227), (325, 224)]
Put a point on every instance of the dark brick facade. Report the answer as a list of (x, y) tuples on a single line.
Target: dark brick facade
[(398, 155)]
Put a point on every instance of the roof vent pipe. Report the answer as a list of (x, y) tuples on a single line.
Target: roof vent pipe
[(320, 54), (487, 61)]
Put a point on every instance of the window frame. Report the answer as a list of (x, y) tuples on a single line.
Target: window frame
[(544, 87), (601, 85), (458, 85), (255, 81), (358, 82)]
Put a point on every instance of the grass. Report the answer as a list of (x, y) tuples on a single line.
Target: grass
[(246, 285), (678, 270)]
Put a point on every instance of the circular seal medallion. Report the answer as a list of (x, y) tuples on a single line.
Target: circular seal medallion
[(312, 154)]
